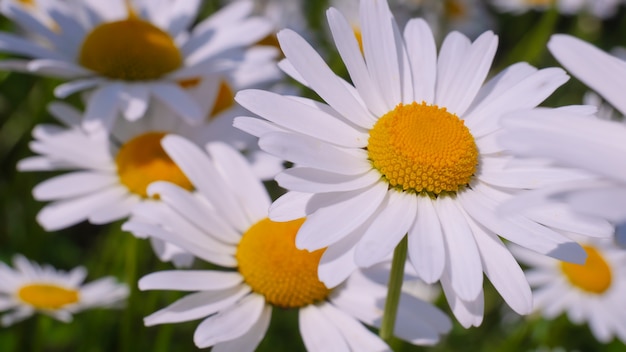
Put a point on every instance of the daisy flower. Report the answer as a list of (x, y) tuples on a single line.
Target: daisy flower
[(411, 148), (225, 223), (125, 53), (592, 292), (567, 138), (109, 173), (28, 288)]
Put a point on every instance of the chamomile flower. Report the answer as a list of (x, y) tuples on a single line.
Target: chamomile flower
[(411, 148), (130, 53), (29, 288), (567, 138), (591, 293), (109, 173), (225, 223)]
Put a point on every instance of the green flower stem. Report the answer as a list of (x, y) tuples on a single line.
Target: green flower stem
[(128, 334), (393, 291)]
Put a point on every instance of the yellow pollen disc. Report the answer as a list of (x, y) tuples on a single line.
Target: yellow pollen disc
[(142, 161), (594, 276), (47, 296), (131, 50), (272, 266), (225, 99), (423, 148), (455, 9)]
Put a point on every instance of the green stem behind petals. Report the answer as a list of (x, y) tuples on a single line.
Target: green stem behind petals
[(393, 291)]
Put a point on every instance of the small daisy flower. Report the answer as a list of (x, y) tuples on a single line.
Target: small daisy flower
[(592, 292), (225, 223), (29, 288), (575, 140), (411, 148), (127, 53)]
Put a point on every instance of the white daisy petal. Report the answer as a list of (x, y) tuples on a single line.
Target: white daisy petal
[(310, 121), (397, 214), (381, 50), (102, 108), (521, 230), (502, 269), (134, 101), (348, 48), (179, 101), (230, 323), (73, 184), (354, 333), (453, 48), (190, 245), (16, 45), (251, 339), (305, 179), (422, 52), (599, 70), (56, 68), (236, 171), (290, 206), (468, 313), (318, 332), (255, 126), (465, 267), (66, 89), (329, 224), (197, 305), (61, 214), (194, 211), (470, 75), (425, 242), (190, 280), (311, 152), (202, 173), (107, 213), (321, 79)]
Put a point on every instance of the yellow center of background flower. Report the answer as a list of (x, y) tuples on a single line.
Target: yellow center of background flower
[(47, 296), (142, 161), (272, 266), (131, 49), (423, 148), (594, 276), (225, 99)]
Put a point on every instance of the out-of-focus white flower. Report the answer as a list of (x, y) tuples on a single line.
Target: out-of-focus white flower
[(28, 288), (591, 293), (131, 53)]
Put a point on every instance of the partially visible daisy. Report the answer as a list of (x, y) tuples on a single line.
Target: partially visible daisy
[(129, 53), (591, 293), (109, 173), (29, 288), (598, 8), (411, 148), (225, 223), (570, 139)]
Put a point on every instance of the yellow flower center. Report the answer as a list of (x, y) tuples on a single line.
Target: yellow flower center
[(130, 49), (142, 161), (594, 276), (272, 266), (423, 148), (358, 36), (47, 296)]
